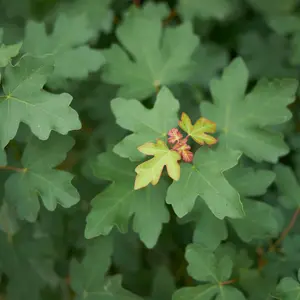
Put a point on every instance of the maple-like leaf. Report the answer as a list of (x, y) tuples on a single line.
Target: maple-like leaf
[(147, 125), (174, 136), (28, 260), (207, 9), (211, 269), (288, 288), (260, 221), (244, 121), (205, 178), (116, 205), (67, 45), (37, 178), (150, 171), (89, 280), (7, 51), (161, 56), (198, 131), (99, 14), (24, 100)]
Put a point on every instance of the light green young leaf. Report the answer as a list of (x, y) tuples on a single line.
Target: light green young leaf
[(242, 120), (37, 179), (288, 288), (7, 52), (118, 202), (146, 124), (205, 178), (207, 9), (25, 101), (204, 265), (150, 171), (161, 56), (67, 45)]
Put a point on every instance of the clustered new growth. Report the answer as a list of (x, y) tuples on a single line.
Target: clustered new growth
[(198, 132), (150, 171), (180, 144)]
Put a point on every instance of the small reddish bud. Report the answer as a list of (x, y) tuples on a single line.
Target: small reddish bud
[(174, 136), (184, 150)]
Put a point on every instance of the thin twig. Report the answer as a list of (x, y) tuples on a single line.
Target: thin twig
[(286, 231), (13, 168), (228, 282)]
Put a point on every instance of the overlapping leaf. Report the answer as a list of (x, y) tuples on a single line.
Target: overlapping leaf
[(146, 124), (37, 178), (67, 45), (29, 263), (207, 9), (7, 51), (244, 121), (266, 56), (150, 171), (88, 278), (205, 178), (288, 186), (259, 222), (25, 101), (205, 266), (98, 13), (119, 202), (288, 288), (159, 56)]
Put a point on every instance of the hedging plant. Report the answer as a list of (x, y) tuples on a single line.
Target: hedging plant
[(149, 150)]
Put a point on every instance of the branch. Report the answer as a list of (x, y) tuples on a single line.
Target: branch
[(286, 231), (10, 168)]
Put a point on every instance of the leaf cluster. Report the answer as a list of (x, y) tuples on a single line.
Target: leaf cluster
[(149, 150)]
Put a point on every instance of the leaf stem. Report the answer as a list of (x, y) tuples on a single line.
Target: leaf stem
[(137, 3), (13, 168), (286, 231), (228, 282)]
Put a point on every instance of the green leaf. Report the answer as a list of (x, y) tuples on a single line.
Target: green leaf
[(207, 9), (87, 277), (260, 220), (289, 288), (243, 123), (160, 56), (118, 202), (266, 56), (98, 13), (205, 178), (204, 265), (163, 284), (25, 101), (146, 124), (28, 261), (8, 220), (37, 178), (66, 45), (7, 52), (288, 186)]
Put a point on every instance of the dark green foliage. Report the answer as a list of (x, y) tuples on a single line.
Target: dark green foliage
[(83, 84)]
